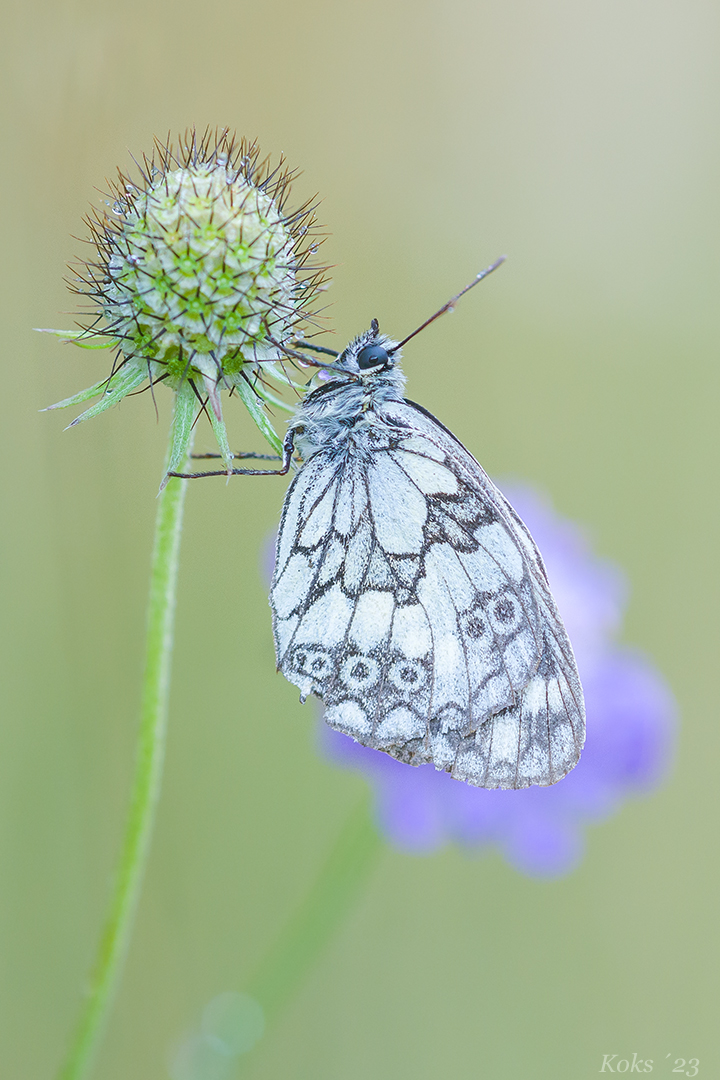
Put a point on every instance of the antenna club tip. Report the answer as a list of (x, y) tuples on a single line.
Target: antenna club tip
[(493, 266)]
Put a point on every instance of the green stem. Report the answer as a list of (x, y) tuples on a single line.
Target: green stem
[(146, 784), (345, 872)]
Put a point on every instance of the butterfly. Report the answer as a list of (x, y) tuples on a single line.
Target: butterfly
[(407, 593)]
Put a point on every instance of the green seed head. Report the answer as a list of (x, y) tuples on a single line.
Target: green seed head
[(202, 274), (200, 265)]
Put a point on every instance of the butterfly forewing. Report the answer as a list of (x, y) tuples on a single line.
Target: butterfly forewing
[(410, 598)]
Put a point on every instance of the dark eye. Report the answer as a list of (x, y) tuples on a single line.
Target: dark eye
[(371, 356)]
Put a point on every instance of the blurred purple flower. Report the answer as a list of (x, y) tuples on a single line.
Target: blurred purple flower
[(630, 724)]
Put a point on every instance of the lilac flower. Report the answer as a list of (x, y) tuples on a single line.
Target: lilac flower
[(630, 723)]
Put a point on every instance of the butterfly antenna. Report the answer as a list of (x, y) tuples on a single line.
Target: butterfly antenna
[(451, 303)]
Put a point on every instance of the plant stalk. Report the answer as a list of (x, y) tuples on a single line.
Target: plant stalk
[(146, 784)]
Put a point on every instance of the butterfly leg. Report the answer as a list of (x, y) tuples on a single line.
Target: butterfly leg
[(256, 457), (300, 343), (288, 446)]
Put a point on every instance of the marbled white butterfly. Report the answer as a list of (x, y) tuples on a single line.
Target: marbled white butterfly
[(407, 593)]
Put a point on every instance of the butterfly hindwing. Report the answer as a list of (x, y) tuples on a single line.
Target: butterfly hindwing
[(410, 598)]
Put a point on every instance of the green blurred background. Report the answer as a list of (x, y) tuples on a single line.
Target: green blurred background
[(581, 140)]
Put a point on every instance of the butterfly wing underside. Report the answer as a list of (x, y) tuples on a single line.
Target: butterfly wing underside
[(411, 599)]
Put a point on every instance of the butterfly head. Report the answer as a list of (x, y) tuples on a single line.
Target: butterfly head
[(369, 355)]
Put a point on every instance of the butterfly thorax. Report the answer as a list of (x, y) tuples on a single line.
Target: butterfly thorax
[(344, 412)]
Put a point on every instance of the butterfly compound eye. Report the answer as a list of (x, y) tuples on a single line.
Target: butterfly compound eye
[(371, 356)]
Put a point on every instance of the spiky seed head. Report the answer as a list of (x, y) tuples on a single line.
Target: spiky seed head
[(201, 271), (200, 263)]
